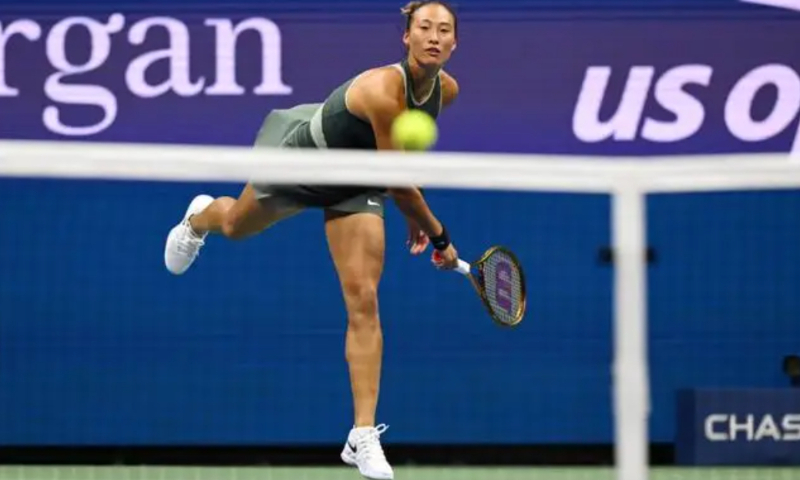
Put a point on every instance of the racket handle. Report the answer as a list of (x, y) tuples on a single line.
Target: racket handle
[(463, 267)]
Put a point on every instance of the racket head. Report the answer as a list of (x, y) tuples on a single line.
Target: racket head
[(500, 282)]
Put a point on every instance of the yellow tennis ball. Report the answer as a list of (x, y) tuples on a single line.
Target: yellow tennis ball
[(414, 130)]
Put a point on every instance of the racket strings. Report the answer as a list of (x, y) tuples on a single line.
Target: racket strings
[(503, 287)]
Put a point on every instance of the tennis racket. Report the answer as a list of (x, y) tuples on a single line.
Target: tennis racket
[(498, 279)]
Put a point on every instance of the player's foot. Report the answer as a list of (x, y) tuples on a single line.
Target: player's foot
[(363, 450), (183, 244)]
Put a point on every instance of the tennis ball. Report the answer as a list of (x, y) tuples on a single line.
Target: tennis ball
[(414, 130)]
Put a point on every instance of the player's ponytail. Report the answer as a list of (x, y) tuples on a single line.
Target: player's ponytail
[(410, 7)]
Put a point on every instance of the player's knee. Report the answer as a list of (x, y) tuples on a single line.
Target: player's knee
[(362, 302), (232, 227)]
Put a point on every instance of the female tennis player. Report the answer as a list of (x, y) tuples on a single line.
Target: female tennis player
[(356, 115)]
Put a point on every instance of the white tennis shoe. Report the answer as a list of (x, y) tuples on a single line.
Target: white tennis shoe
[(363, 450), (183, 245)]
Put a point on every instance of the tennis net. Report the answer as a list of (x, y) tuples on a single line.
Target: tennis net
[(661, 309)]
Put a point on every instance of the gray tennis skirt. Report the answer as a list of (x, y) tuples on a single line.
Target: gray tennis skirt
[(282, 129)]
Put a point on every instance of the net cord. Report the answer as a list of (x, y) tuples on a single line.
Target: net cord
[(627, 180), (552, 173)]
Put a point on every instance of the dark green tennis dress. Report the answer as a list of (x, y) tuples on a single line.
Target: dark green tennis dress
[(331, 125)]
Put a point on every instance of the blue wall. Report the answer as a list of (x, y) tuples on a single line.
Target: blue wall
[(99, 345)]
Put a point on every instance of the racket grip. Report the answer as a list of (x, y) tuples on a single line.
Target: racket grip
[(463, 267)]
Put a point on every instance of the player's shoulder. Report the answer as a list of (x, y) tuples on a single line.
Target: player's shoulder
[(376, 94), (386, 81), (377, 88), (450, 88)]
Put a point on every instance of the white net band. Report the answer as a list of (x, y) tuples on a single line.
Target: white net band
[(445, 170)]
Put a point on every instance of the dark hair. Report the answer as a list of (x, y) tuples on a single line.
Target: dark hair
[(413, 6)]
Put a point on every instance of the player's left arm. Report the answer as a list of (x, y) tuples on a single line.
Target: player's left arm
[(449, 89), (418, 241)]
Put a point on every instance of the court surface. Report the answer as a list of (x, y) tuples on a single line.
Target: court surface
[(344, 473)]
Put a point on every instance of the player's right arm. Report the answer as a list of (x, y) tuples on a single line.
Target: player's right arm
[(379, 98)]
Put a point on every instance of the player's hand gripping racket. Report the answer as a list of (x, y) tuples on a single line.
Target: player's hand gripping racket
[(498, 279)]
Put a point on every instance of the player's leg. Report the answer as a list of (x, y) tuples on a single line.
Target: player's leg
[(240, 218), (254, 211), (357, 242), (256, 208)]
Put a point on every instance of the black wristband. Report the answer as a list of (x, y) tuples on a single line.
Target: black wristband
[(441, 241)]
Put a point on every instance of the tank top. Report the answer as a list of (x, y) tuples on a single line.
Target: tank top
[(334, 126)]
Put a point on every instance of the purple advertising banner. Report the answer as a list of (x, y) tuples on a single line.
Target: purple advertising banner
[(582, 85)]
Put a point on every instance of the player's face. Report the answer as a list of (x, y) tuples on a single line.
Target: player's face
[(431, 38)]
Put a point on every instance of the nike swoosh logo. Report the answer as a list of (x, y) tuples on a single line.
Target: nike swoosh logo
[(352, 447), (373, 203), (787, 4)]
